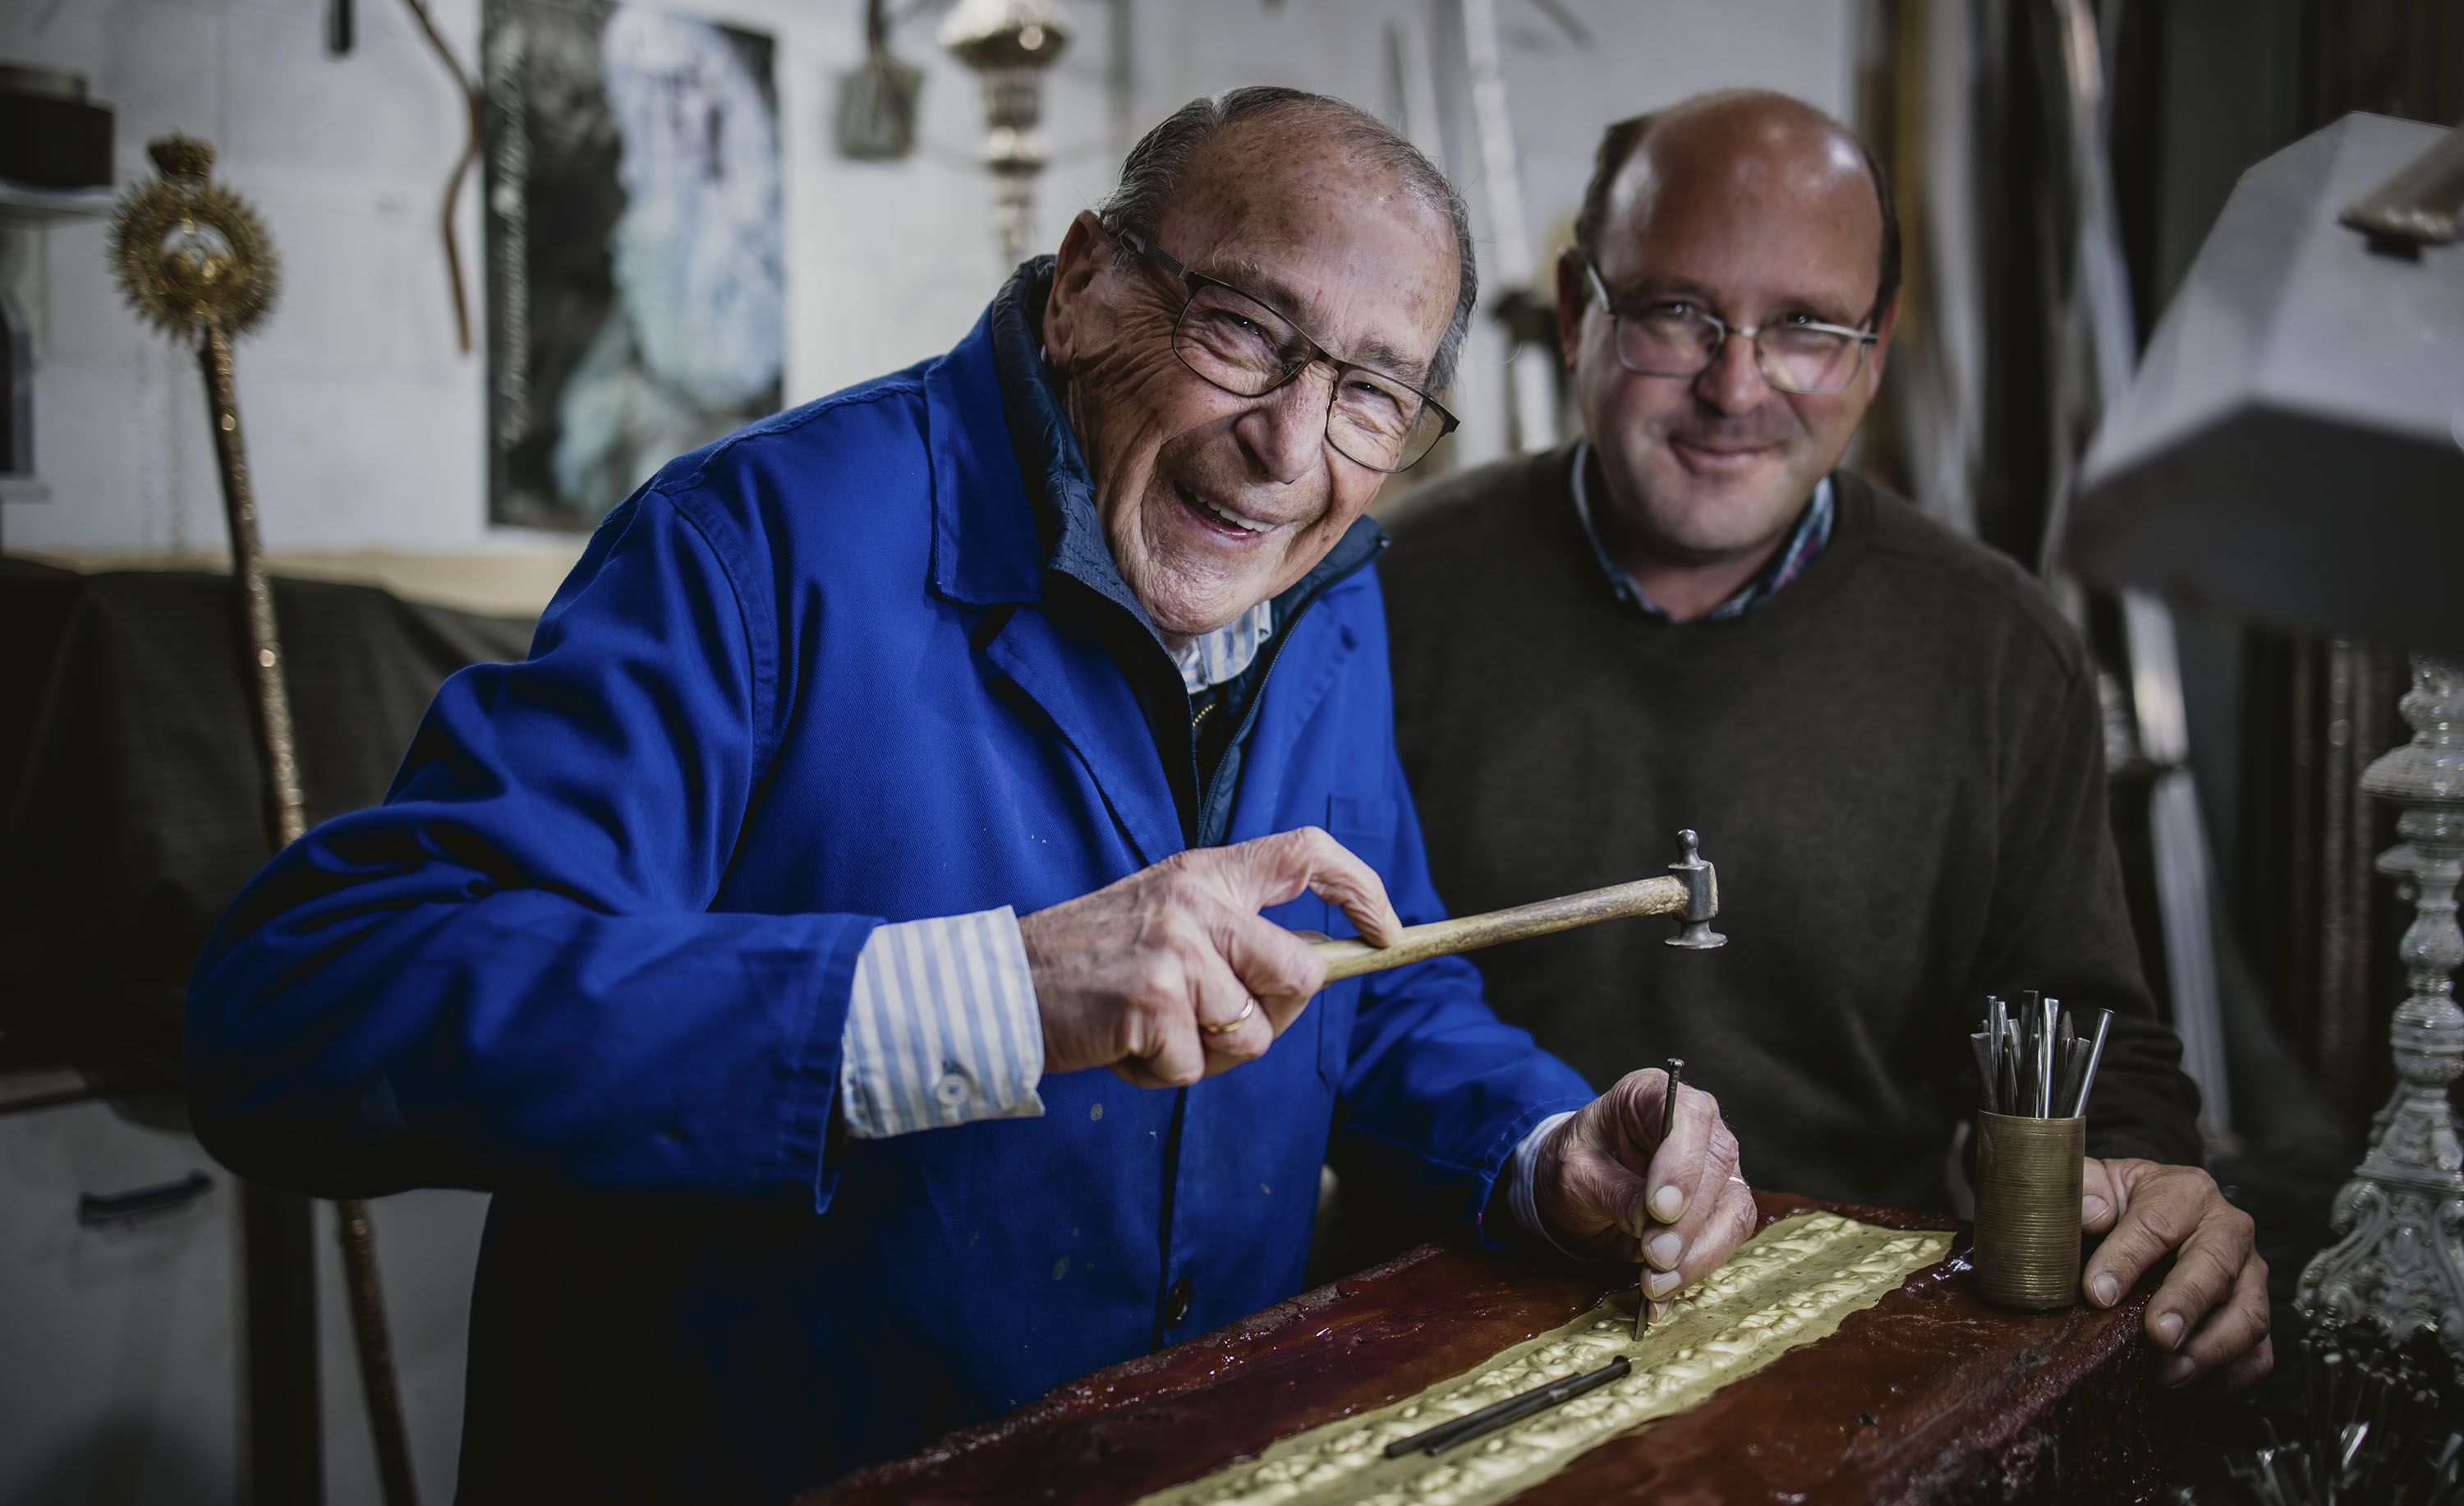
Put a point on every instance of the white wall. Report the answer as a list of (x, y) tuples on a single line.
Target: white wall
[(366, 427)]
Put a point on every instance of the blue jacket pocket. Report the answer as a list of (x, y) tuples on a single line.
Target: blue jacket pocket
[(1364, 824)]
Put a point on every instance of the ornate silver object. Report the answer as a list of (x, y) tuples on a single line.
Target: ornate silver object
[(2400, 1262), (1011, 44)]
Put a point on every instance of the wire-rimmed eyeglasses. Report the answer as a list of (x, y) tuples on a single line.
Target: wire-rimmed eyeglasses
[(1243, 345), (1677, 338)]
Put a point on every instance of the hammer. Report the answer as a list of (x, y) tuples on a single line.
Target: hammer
[(1692, 892)]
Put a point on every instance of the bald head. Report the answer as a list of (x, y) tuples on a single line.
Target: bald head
[(1724, 319), (1741, 143)]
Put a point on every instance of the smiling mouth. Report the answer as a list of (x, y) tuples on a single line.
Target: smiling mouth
[(1224, 519), (1721, 454)]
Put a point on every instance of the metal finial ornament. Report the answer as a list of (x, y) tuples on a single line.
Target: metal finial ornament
[(195, 259), (192, 255), (1010, 43), (2400, 1262)]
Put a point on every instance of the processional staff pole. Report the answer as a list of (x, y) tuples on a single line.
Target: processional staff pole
[(195, 259)]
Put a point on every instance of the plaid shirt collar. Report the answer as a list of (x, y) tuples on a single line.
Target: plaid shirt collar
[(1812, 532)]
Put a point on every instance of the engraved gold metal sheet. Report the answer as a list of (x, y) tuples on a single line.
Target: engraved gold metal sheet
[(1789, 1286)]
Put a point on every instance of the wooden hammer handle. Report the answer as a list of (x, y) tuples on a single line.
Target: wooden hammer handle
[(1351, 957)]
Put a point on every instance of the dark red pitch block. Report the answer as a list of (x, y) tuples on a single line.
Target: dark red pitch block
[(1929, 1397)]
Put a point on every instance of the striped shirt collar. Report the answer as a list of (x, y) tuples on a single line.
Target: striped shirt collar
[(1812, 532), (1227, 652)]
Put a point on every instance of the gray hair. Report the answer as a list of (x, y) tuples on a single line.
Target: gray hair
[(1152, 174)]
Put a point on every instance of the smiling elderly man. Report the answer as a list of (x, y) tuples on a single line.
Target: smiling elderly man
[(696, 937)]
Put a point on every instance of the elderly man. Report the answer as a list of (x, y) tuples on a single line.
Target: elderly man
[(881, 772), (1692, 616)]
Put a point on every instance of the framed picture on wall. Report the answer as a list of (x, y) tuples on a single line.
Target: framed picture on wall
[(636, 270)]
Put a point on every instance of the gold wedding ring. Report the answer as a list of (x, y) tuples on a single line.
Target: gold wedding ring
[(1232, 1024)]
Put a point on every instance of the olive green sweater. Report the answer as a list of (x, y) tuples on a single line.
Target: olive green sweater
[(1896, 764)]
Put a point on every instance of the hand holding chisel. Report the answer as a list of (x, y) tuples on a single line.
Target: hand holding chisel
[(1639, 1174), (1647, 1312)]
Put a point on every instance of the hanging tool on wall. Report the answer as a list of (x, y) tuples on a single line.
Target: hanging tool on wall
[(195, 259), (475, 119), (877, 97)]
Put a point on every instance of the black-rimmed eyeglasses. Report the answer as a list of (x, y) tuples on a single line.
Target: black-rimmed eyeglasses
[(1677, 338), (1242, 346)]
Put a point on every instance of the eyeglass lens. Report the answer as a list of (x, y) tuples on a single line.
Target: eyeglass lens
[(1667, 342), (1248, 349)]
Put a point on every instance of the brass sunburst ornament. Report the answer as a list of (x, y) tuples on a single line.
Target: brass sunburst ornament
[(192, 255)]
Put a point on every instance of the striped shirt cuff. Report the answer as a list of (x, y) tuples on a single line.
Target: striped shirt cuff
[(1526, 1167), (941, 1028)]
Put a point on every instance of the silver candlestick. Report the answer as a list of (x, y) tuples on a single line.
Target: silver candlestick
[(2400, 1263), (1010, 43)]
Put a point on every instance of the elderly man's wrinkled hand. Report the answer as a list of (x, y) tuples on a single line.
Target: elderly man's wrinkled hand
[(1171, 975), (2211, 1315), (1608, 1187)]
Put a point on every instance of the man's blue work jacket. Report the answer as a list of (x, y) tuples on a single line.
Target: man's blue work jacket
[(593, 954)]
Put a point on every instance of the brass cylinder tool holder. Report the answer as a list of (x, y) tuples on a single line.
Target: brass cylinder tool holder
[(195, 259), (2028, 1174)]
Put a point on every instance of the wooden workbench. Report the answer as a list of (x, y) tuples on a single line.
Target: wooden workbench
[(1929, 1395)]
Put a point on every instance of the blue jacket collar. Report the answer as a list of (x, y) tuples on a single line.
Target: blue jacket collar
[(986, 544)]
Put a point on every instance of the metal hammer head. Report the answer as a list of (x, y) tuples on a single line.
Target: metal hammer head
[(1702, 896)]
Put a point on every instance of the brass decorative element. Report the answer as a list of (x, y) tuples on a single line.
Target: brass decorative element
[(1010, 43), (192, 255), (288, 808), (2400, 1262), (195, 259)]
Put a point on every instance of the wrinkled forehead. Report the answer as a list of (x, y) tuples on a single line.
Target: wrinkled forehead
[(1339, 242)]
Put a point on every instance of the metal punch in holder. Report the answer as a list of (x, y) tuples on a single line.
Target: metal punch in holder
[(2037, 1072)]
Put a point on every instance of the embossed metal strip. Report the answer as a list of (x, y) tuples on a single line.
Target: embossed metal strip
[(1792, 1284)]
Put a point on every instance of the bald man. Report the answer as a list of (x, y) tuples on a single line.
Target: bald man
[(1691, 617)]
